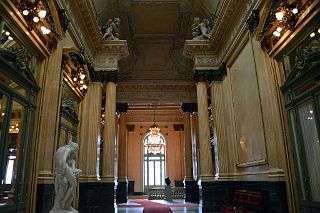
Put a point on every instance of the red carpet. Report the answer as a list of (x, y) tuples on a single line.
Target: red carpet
[(152, 207)]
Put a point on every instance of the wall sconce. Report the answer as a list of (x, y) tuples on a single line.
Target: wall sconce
[(34, 12)]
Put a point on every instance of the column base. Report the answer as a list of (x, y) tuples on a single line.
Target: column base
[(122, 192), (96, 197), (191, 191)]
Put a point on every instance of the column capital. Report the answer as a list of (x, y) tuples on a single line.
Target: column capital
[(201, 53), (109, 53), (189, 107), (211, 75), (122, 107)]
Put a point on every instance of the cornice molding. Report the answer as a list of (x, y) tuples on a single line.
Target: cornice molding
[(77, 26), (225, 40)]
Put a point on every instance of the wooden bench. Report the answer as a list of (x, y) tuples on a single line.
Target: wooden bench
[(244, 202)]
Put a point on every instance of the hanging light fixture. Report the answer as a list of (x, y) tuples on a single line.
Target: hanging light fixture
[(154, 141)]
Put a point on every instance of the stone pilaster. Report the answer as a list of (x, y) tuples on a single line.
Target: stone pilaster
[(122, 188), (48, 132), (191, 186)]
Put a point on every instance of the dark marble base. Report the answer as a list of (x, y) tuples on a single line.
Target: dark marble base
[(131, 187), (96, 197), (192, 191), (45, 198), (122, 192), (214, 195)]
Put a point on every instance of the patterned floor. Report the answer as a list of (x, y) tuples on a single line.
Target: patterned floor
[(177, 206)]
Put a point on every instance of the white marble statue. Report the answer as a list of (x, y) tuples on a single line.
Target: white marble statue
[(66, 178), (201, 29), (112, 30)]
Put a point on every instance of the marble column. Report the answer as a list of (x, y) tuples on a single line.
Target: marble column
[(89, 133), (206, 166), (89, 136), (191, 186), (122, 188), (206, 70), (109, 133), (106, 66)]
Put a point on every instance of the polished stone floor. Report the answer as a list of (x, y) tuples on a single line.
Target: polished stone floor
[(176, 206)]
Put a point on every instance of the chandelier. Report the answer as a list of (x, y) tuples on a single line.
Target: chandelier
[(154, 141), (34, 12)]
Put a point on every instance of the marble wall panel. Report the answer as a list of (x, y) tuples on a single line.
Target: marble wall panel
[(251, 146)]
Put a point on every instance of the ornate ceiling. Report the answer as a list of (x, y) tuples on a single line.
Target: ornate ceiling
[(156, 32)]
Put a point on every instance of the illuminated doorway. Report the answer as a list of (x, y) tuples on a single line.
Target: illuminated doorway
[(154, 165)]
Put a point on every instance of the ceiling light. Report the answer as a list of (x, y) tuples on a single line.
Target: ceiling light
[(319, 30), (47, 31), (43, 28), (81, 82), (74, 79), (295, 10), (10, 38), (25, 12), (276, 33), (279, 29), (279, 15), (35, 19), (85, 86), (42, 13), (7, 33), (82, 76), (312, 35)]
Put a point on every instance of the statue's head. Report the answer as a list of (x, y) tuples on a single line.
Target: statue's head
[(74, 146), (205, 21), (196, 20), (117, 20)]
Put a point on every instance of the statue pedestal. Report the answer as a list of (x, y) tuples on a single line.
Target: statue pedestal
[(168, 193)]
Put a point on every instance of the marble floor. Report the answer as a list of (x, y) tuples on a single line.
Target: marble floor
[(176, 206)]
